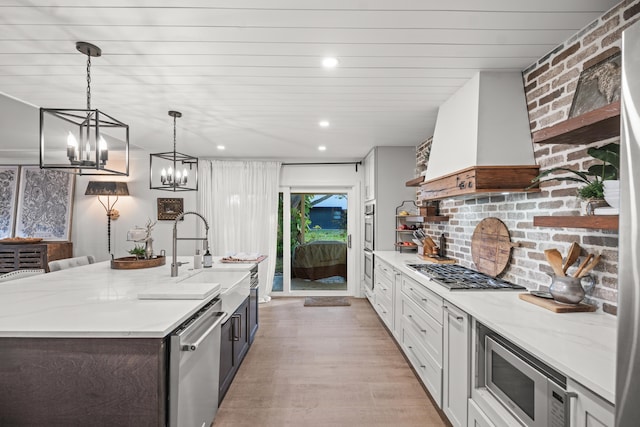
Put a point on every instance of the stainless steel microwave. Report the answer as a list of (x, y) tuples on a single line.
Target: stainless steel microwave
[(532, 391)]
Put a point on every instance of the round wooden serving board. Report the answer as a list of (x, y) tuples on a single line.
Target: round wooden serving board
[(491, 246), (132, 263)]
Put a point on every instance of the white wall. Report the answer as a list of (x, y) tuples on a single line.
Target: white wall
[(320, 175)]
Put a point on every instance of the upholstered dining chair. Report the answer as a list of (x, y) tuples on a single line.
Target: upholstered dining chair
[(19, 274), (63, 264)]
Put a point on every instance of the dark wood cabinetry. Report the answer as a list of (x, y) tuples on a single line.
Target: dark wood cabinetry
[(82, 382), (253, 313), (27, 256), (233, 346)]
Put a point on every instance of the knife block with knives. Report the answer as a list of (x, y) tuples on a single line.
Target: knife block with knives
[(431, 251)]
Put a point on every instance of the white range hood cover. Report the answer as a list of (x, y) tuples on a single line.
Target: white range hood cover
[(485, 123)]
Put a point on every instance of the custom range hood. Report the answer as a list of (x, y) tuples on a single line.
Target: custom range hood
[(482, 140)]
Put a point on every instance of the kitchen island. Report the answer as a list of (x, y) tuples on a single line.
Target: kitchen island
[(77, 347)]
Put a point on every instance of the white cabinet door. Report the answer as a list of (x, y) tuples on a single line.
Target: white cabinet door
[(455, 367), (588, 409), (370, 176), (477, 418)]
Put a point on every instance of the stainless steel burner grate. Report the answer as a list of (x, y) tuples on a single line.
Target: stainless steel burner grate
[(457, 277)]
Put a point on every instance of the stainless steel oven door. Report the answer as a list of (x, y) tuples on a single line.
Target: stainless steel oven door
[(517, 385), (368, 233), (368, 271)]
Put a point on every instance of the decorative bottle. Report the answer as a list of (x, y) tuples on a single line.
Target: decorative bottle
[(207, 260)]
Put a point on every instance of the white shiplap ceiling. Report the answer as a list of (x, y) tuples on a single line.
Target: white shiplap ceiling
[(248, 75)]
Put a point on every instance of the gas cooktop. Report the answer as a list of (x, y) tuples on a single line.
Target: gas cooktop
[(456, 277)]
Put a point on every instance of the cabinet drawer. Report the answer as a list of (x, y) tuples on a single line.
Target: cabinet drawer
[(369, 294), (423, 297), (383, 306), (383, 286), (424, 328), (477, 418), (429, 371), (384, 270)]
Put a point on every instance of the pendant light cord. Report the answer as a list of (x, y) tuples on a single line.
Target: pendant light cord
[(88, 82), (174, 135)]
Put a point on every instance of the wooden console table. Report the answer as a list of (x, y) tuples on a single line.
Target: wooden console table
[(33, 255)]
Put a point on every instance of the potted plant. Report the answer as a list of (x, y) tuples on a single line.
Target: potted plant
[(595, 178), (138, 252)]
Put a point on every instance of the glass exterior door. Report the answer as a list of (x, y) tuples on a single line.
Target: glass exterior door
[(313, 245)]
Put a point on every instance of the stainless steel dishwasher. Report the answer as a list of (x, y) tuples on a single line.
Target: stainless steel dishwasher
[(194, 364)]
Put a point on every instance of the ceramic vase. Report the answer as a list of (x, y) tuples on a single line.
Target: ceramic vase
[(612, 193)]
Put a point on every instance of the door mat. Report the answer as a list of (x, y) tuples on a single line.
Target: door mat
[(326, 301)]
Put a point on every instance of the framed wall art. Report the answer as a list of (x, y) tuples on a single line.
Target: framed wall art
[(45, 204), (8, 193), (598, 85), (169, 209)]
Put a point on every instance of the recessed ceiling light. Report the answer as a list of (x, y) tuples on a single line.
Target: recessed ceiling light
[(324, 123), (322, 148), (220, 147), (330, 62)]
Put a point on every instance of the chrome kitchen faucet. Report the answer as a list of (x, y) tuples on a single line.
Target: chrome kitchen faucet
[(174, 263)]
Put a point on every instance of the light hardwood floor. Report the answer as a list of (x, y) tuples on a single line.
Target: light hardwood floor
[(324, 366)]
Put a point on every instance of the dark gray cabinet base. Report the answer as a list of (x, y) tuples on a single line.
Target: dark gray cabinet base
[(253, 313), (82, 382), (234, 345)]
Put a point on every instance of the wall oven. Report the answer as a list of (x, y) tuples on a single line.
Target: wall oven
[(531, 391), (369, 246), (369, 211)]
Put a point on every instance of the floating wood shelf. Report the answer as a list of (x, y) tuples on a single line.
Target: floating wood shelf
[(603, 222), (431, 218), (415, 182), (439, 218), (596, 125)]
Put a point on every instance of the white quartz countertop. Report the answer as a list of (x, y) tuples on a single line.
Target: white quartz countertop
[(580, 345), (97, 301)]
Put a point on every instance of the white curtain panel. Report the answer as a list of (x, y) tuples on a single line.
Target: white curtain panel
[(241, 200)]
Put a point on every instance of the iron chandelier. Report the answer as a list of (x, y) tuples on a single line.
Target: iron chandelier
[(96, 143), (173, 171)]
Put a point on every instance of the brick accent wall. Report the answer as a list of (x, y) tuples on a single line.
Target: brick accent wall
[(549, 85)]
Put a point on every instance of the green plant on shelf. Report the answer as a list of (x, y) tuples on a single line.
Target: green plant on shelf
[(593, 177)]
